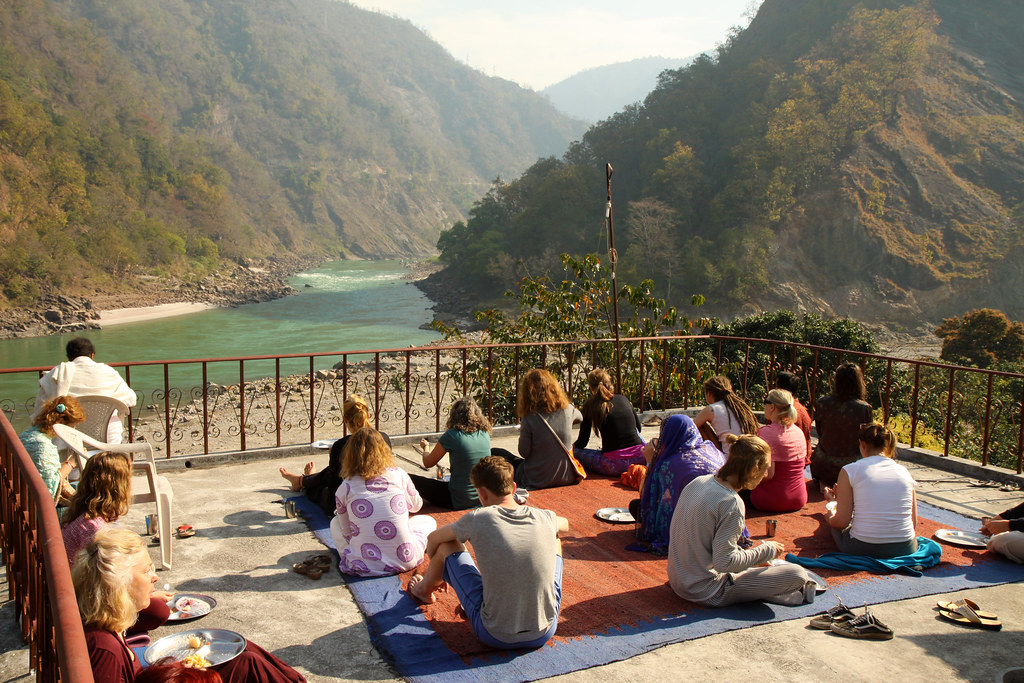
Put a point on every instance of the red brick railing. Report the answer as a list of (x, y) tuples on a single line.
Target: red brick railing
[(38, 576)]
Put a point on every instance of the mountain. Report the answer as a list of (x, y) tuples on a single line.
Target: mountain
[(599, 92), (855, 157), (158, 138)]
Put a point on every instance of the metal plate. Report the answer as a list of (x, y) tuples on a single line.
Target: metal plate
[(223, 646), (190, 606), (615, 515), (971, 539), (820, 584)]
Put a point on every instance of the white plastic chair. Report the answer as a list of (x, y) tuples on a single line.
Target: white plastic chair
[(98, 410), (157, 489)]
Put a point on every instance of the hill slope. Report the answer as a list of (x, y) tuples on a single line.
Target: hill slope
[(857, 158), (157, 138)]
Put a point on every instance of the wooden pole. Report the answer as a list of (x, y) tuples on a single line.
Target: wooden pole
[(615, 287)]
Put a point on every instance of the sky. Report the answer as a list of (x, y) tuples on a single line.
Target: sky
[(537, 43)]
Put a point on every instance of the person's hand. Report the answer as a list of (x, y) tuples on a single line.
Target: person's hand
[(780, 550), (424, 446), (162, 595), (649, 450), (830, 493), (996, 526)]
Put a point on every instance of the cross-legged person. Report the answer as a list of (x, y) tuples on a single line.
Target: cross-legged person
[(513, 598)]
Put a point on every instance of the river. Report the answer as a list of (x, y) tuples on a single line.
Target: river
[(347, 305)]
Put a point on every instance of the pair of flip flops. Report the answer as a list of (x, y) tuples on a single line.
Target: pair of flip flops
[(186, 531), (314, 566), (967, 613)]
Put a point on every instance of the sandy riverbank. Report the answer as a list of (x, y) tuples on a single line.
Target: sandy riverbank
[(134, 315)]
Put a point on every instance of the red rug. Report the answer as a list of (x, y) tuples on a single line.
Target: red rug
[(606, 588)]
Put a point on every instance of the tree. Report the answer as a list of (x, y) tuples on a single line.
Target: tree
[(651, 224), (981, 338)]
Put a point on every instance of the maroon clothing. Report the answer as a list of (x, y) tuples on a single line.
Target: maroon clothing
[(838, 436), (113, 662)]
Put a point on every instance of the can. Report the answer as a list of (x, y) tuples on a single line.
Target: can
[(770, 527), (985, 521), (289, 509), (440, 472), (150, 525)]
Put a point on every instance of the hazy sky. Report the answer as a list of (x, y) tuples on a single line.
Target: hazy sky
[(539, 42)]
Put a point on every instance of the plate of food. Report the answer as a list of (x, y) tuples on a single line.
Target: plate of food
[(189, 606), (971, 539), (820, 584), (615, 515), (197, 649), (831, 506)]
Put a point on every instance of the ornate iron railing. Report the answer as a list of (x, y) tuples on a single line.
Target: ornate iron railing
[(38, 575), (209, 405)]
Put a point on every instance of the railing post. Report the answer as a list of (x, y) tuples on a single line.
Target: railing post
[(277, 401), (312, 405), (167, 410), (206, 410), (437, 389), (664, 374), (746, 364), (949, 415), (988, 415), (376, 391), (408, 389), (241, 400), (913, 407), (643, 388), (888, 391), (490, 383), (686, 375)]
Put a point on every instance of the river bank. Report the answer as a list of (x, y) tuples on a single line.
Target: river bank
[(148, 298)]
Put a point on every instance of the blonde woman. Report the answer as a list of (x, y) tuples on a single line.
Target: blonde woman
[(372, 529), (726, 411), (876, 501), (320, 486), (610, 416), (783, 488), (706, 563), (113, 579)]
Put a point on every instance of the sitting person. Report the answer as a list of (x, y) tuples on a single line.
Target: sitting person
[(467, 442), (1007, 531), (113, 580), (838, 418), (321, 486), (725, 411), (545, 431), (676, 458), (170, 670), (513, 599), (372, 530), (791, 383), (706, 565), (80, 375), (103, 495), (611, 416), (783, 488), (38, 442), (876, 504)]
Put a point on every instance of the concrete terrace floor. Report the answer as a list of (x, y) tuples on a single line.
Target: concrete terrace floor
[(245, 546)]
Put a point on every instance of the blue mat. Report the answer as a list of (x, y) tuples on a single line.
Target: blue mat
[(403, 635)]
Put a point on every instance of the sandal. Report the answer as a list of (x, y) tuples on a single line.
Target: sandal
[(186, 531), (865, 627), (966, 612), (834, 615)]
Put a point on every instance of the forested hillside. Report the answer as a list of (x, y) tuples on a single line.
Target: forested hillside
[(857, 158), (159, 137)]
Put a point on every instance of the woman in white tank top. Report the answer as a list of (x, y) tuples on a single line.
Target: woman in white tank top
[(876, 504)]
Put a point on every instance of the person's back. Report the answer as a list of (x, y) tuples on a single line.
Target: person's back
[(883, 495), (81, 375), (543, 440), (515, 550)]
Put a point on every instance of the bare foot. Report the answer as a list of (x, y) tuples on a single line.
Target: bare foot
[(416, 587), (293, 479), (308, 469)]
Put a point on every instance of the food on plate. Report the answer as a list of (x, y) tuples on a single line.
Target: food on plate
[(195, 660), (195, 642)]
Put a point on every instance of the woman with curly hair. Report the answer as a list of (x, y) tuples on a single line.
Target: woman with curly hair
[(372, 530), (610, 416), (38, 442), (837, 418), (113, 579), (725, 411), (545, 433), (467, 442), (103, 495), (320, 486)]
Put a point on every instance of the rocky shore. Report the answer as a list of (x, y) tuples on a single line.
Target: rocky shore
[(246, 282)]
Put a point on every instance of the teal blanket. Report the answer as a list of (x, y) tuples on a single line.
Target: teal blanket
[(929, 554)]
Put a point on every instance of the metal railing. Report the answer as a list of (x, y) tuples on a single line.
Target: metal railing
[(38, 575), (219, 404)]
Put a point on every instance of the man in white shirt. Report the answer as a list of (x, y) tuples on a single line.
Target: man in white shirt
[(80, 375)]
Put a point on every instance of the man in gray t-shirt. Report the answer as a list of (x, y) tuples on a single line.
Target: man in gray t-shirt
[(513, 599)]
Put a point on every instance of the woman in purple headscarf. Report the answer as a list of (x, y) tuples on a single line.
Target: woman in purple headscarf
[(674, 460)]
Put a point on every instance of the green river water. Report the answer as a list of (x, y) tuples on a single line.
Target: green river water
[(349, 305)]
